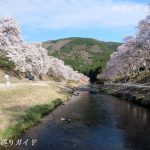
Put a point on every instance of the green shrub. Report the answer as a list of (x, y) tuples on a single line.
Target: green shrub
[(6, 64)]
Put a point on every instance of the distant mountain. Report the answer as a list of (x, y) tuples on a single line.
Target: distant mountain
[(83, 54)]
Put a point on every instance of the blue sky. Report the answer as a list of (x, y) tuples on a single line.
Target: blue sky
[(107, 20)]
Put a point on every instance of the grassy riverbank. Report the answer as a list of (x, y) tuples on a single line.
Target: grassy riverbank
[(23, 106)]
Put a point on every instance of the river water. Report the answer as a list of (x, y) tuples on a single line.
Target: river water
[(98, 122)]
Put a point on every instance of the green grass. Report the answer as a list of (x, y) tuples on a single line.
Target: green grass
[(30, 118)]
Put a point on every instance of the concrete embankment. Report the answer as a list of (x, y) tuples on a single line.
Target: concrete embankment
[(132, 92)]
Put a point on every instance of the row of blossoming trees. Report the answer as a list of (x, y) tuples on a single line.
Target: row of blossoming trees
[(132, 56)]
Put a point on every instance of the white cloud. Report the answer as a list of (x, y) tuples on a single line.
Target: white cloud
[(57, 14)]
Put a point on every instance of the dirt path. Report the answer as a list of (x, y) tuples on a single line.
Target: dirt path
[(14, 85)]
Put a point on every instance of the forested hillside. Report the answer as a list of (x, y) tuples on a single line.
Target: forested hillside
[(86, 55)]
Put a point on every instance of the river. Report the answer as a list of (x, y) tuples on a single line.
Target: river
[(98, 122)]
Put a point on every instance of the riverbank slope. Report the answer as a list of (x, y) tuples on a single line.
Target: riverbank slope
[(24, 104), (132, 92)]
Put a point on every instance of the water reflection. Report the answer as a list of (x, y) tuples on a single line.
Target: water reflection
[(135, 122), (99, 122)]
